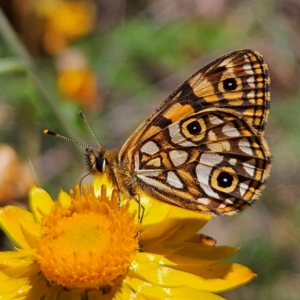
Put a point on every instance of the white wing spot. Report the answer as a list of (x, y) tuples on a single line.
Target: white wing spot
[(226, 146), (233, 161), (219, 146), (230, 130), (215, 120), (150, 148), (250, 169), (203, 171), (251, 82), (227, 201), (211, 135), (210, 159), (178, 157), (248, 69), (174, 180), (251, 98), (204, 201), (245, 146), (148, 173), (243, 189), (155, 162)]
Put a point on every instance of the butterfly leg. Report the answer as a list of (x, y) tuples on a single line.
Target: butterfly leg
[(141, 208)]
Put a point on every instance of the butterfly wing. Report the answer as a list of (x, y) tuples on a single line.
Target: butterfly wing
[(203, 148), (238, 80), (212, 161)]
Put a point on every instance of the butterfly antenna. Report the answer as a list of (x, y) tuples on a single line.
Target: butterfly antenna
[(89, 127), (49, 132)]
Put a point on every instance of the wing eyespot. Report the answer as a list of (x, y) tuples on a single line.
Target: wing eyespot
[(194, 129), (230, 84), (224, 179)]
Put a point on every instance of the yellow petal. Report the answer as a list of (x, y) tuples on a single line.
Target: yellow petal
[(127, 293), (153, 258), (190, 253), (12, 288), (39, 200), (16, 258), (164, 276), (64, 199), (18, 253), (183, 214), (155, 211), (229, 276), (41, 290), (10, 217), (3, 277), (31, 232), (22, 271), (153, 291), (174, 229)]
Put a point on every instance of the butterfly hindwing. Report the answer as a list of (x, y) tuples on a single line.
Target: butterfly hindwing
[(210, 161)]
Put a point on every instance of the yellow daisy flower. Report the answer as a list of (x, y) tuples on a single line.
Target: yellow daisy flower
[(84, 246)]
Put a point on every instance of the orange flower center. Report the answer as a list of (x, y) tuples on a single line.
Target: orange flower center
[(88, 245)]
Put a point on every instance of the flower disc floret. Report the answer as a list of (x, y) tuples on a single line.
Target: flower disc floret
[(88, 244)]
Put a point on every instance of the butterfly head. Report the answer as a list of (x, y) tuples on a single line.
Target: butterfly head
[(95, 160)]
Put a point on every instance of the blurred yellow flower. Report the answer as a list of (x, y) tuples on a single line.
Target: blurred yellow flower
[(75, 79), (64, 21), (84, 246), (78, 84)]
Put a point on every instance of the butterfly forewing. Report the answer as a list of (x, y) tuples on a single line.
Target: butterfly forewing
[(238, 80)]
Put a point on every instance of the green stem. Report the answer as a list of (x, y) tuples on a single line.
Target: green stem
[(11, 39)]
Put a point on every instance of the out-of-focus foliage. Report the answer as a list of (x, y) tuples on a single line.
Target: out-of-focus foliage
[(136, 53)]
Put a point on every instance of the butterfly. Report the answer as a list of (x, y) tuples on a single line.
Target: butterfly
[(203, 148)]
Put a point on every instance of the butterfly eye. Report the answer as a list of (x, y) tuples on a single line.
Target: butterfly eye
[(100, 164), (229, 84), (94, 160), (224, 179)]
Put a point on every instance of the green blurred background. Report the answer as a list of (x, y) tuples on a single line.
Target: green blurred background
[(126, 57)]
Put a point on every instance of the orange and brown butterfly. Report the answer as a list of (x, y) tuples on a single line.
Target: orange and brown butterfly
[(203, 148)]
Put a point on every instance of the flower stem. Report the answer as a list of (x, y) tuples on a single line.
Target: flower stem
[(8, 35)]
